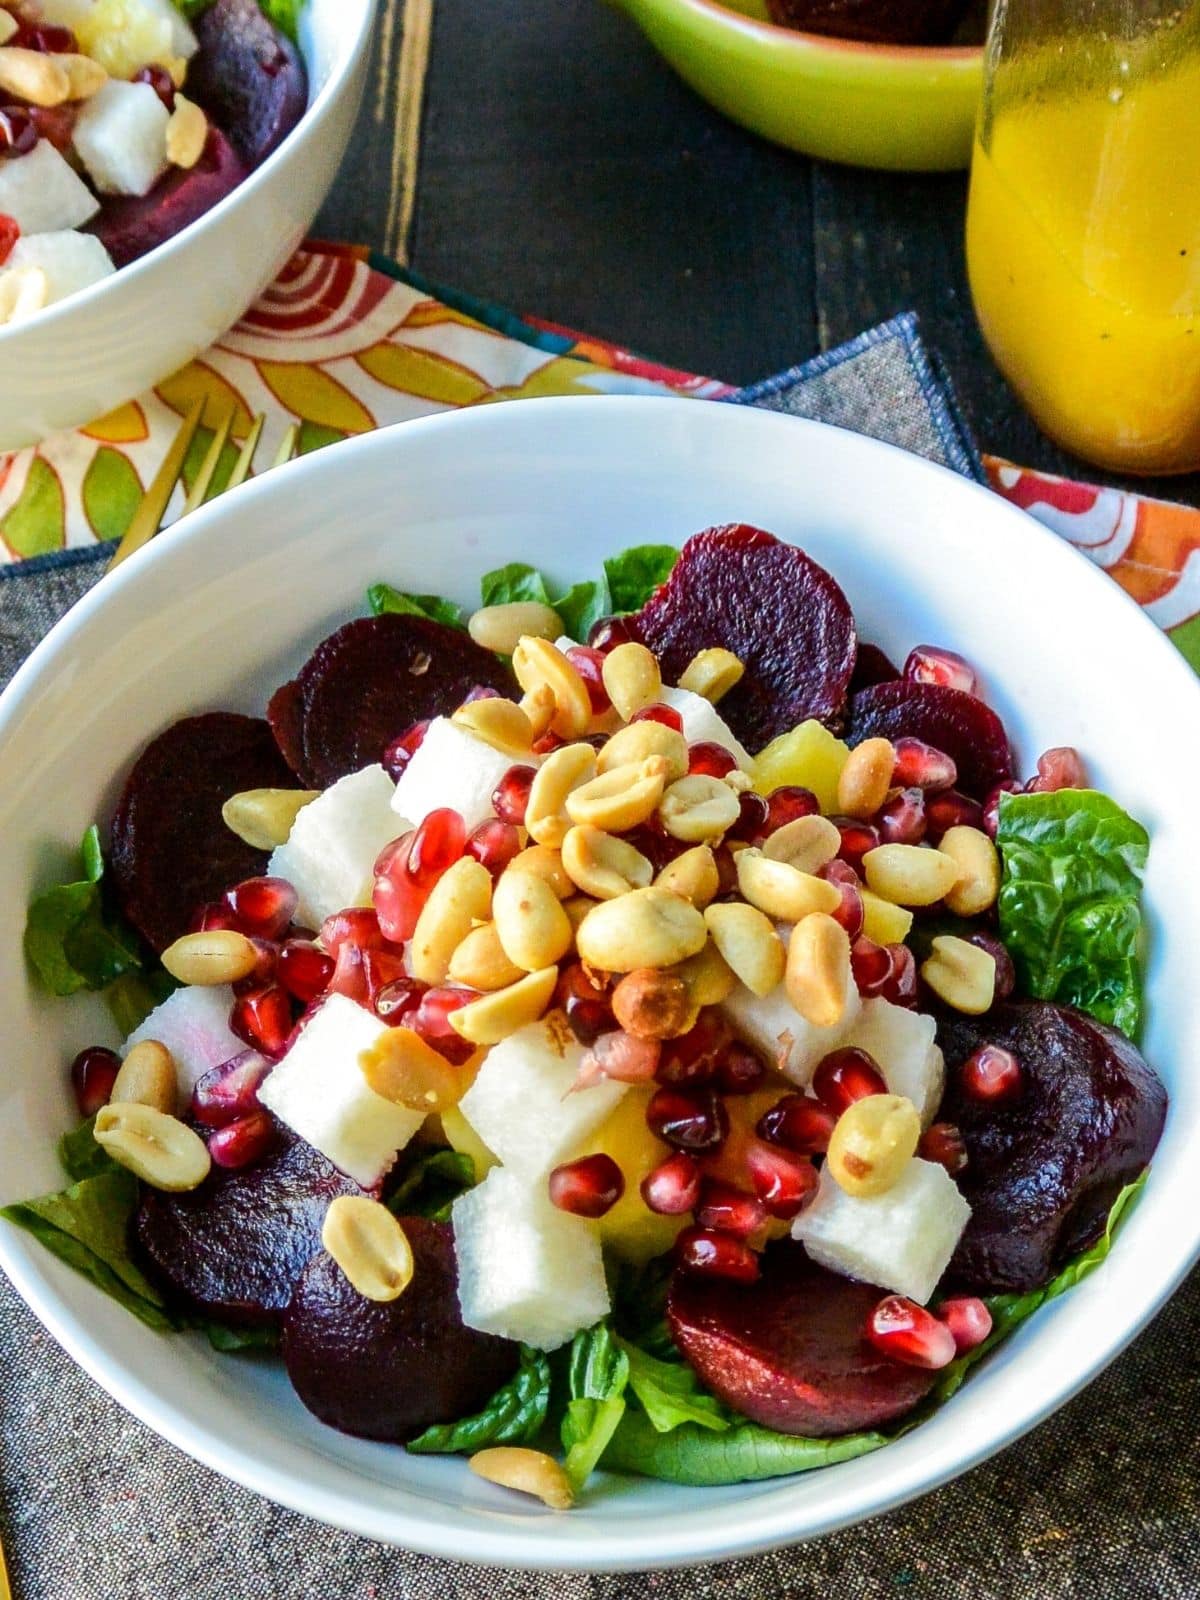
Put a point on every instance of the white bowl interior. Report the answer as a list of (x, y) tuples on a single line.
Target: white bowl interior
[(217, 613)]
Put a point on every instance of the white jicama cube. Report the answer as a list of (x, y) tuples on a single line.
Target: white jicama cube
[(526, 1270), (902, 1239), (43, 193), (903, 1044), (121, 138), (70, 260), (329, 857), (771, 1025), (194, 1026), (519, 1104), (320, 1091), (702, 723), (452, 768)]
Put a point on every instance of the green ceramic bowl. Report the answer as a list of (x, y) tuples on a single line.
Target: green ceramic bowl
[(902, 107)]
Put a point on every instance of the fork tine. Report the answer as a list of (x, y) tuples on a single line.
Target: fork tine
[(287, 446), (147, 519), (241, 467), (198, 493)]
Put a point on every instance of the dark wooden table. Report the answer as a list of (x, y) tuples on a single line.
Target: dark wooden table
[(565, 171)]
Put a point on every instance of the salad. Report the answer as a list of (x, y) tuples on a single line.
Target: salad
[(122, 121), (685, 1052)]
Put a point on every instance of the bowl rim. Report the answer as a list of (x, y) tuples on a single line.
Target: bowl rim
[(777, 37), (765, 1522), (314, 115)]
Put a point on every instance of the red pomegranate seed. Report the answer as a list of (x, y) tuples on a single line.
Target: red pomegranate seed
[(585, 1003), (951, 810), (494, 844), (906, 1332), (357, 925), (729, 1209), (93, 1073), (608, 633), (381, 970), (943, 1142), (688, 1119), (18, 131), (783, 1182), (619, 1055), (968, 1320), (263, 906), (265, 966), (547, 744), (407, 870), (263, 1020), (229, 1091), (589, 664), (349, 976), (693, 1057), (241, 1143), (10, 232), (715, 1255), (739, 1070), (511, 795), (397, 1000), (930, 663), (922, 766), (215, 914), (588, 1187), (161, 81), (304, 971), (752, 817), (727, 878), (798, 1123), (871, 965), (991, 1073), (1059, 768), (401, 751), (786, 804), (990, 816), (673, 1187), (47, 38), (857, 839), (667, 715), (902, 819), (849, 911), (431, 1019), (1006, 973), (708, 759), (844, 1076), (437, 844), (900, 986)]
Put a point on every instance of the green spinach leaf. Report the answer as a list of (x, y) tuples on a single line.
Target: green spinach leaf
[(285, 14), (744, 1451), (72, 939), (239, 1341), (134, 995), (634, 575), (386, 601), (508, 584), (671, 1394), (1069, 901), (582, 607), (597, 1375), (81, 1156), (432, 1183), (514, 1415)]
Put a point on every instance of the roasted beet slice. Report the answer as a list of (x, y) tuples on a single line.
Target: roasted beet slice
[(958, 724), (285, 713), (1044, 1168), (248, 77), (789, 1351), (171, 851), (129, 226), (234, 1247), (389, 1371), (782, 614), (872, 667), (371, 680)]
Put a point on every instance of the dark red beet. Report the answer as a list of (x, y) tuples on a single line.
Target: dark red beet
[(285, 713), (248, 77), (235, 1246), (171, 851), (388, 1371), (872, 667), (881, 21), (782, 614), (960, 725), (789, 1351), (131, 225), (1044, 1168), (370, 681)]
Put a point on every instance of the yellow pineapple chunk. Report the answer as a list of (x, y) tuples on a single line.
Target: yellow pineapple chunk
[(884, 922), (461, 1136), (631, 1230), (124, 36), (809, 756)]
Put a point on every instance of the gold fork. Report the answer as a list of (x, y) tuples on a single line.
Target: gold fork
[(147, 518), (5, 1586)]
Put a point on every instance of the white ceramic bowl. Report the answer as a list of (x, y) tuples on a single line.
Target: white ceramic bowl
[(80, 358), (218, 612)]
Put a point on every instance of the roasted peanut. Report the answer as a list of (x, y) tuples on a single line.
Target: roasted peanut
[(34, 76), (562, 771), (817, 975), (708, 978), (961, 974), (265, 817), (632, 678), (602, 866), (219, 955), (621, 798), (874, 1140), (910, 874), (698, 809), (652, 1004), (749, 945), (712, 673), (187, 133), (782, 892), (501, 628), (577, 907), (693, 874), (528, 1471), (496, 1015), (9, 26), (537, 663), (85, 76), (866, 778), (148, 1077), (402, 1068), (479, 961), (645, 928), (979, 870), (533, 928), (639, 741), (460, 898), (155, 1146), (369, 1245), (806, 843), (543, 862), (539, 706), (498, 722)]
